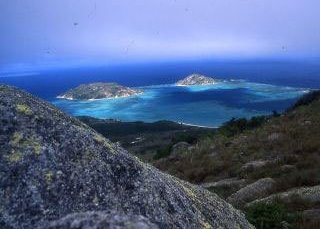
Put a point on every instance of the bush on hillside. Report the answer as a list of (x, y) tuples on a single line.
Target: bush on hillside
[(269, 216), (163, 152), (237, 126), (306, 99)]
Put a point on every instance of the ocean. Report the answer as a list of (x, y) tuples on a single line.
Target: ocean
[(248, 89)]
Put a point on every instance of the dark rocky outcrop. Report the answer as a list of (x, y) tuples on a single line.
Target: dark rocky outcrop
[(52, 165), (256, 190), (312, 216), (233, 183), (254, 165), (99, 91), (309, 195)]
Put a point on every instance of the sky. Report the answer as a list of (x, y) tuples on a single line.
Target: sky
[(41, 34)]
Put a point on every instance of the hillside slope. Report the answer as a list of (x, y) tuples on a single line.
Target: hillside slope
[(245, 164), (52, 165)]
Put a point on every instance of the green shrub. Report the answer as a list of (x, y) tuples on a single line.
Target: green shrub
[(269, 216), (162, 153), (306, 100), (185, 137), (237, 126)]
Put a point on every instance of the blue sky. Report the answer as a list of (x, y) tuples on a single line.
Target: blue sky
[(40, 34)]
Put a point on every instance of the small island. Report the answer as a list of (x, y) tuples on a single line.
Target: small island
[(99, 91), (196, 79)]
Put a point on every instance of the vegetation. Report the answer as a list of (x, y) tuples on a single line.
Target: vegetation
[(237, 126), (290, 139), (270, 216), (149, 141), (164, 152), (306, 99), (117, 128)]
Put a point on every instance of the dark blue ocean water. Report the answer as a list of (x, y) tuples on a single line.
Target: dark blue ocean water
[(198, 105)]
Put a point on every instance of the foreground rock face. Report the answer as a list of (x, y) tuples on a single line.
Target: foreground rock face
[(196, 79), (99, 91), (101, 220), (52, 165)]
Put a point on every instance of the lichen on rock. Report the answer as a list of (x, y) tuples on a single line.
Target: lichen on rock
[(24, 109)]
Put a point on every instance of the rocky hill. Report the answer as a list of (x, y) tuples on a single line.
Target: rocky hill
[(56, 172), (264, 165), (99, 91), (196, 79)]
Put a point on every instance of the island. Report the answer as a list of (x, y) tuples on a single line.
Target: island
[(196, 79), (94, 91)]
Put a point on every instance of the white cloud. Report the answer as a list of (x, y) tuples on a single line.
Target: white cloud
[(40, 32)]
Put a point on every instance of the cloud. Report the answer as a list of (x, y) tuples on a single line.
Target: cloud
[(40, 32)]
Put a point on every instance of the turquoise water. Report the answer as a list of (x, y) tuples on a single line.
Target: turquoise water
[(197, 105)]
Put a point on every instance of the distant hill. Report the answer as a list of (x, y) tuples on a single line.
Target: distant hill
[(55, 168), (99, 91), (196, 79), (146, 140)]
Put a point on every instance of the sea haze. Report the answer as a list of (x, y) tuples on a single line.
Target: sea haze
[(267, 86)]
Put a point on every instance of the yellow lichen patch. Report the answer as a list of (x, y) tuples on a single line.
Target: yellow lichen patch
[(99, 138), (24, 109), (16, 138), (188, 191), (206, 225), (89, 156), (14, 156), (105, 142), (49, 177), (18, 141), (36, 147)]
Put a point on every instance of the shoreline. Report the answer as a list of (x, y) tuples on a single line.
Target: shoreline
[(107, 98), (176, 122), (195, 125)]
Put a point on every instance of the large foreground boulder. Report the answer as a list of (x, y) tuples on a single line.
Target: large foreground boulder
[(52, 165), (110, 220)]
